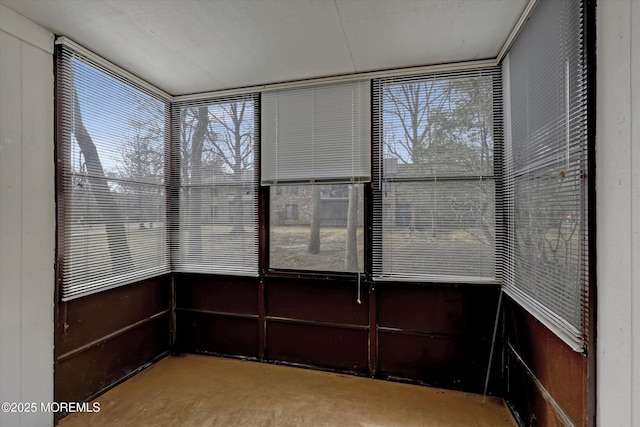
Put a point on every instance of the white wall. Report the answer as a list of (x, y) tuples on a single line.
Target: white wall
[(618, 205), (27, 217)]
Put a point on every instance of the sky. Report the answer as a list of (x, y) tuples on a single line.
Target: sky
[(108, 106)]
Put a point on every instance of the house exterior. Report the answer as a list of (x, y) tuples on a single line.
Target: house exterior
[(292, 205)]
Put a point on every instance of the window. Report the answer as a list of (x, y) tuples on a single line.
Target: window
[(111, 157), (546, 170), (319, 232), (316, 151), (216, 217), (291, 212), (435, 179)]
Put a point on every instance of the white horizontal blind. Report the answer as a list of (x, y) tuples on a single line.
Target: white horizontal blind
[(111, 189), (215, 208), (317, 134), (547, 168), (437, 139)]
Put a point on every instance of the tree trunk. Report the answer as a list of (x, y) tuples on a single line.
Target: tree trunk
[(116, 236), (351, 247), (238, 215), (195, 200), (316, 218), (237, 208)]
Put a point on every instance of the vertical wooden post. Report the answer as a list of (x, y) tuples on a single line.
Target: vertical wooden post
[(373, 331)]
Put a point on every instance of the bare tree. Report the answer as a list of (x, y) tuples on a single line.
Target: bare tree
[(413, 111), (316, 218), (416, 109), (194, 126), (141, 170), (472, 129), (108, 206), (143, 155), (444, 127), (351, 244), (231, 139)]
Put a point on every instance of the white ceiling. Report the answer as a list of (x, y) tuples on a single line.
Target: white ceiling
[(191, 46)]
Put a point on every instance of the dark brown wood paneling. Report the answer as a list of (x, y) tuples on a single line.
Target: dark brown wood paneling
[(103, 338), (86, 374), (442, 309), (320, 346), (435, 309), (262, 338), (438, 334), (373, 332), (217, 293), (317, 300), (84, 320), (532, 408), (317, 322), (218, 314), (534, 351), (434, 361), (200, 332)]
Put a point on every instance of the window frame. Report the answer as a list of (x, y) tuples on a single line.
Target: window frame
[(379, 182), (567, 76), (176, 211), (65, 54), (270, 271), (367, 216)]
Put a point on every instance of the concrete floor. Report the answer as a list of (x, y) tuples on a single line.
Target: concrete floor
[(203, 391)]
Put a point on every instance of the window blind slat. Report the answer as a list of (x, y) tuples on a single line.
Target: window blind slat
[(437, 148), (111, 155), (316, 134), (546, 165), (215, 217)]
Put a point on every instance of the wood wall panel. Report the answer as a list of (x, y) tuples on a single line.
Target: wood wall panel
[(318, 345), (538, 358), (103, 338), (10, 212), (201, 332), (320, 301), (91, 372), (617, 228), (437, 334), (237, 295), (217, 315), (532, 408), (436, 361), (84, 320), (434, 309)]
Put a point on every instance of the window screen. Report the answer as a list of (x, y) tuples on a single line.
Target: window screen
[(215, 210), (546, 158), (111, 169), (317, 227), (436, 147)]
